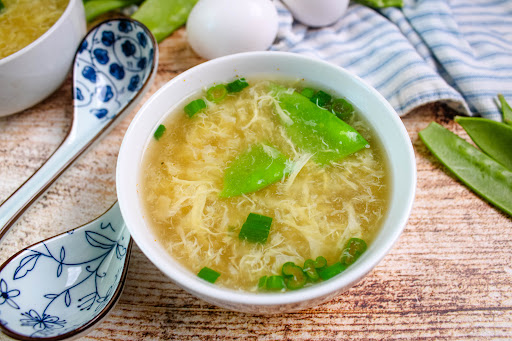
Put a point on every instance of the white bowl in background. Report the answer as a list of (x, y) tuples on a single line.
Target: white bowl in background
[(33, 73), (374, 108)]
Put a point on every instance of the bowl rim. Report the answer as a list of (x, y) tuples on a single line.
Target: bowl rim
[(39, 40), (214, 293)]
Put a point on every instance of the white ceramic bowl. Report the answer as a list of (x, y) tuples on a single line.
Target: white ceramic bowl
[(31, 74), (374, 107)]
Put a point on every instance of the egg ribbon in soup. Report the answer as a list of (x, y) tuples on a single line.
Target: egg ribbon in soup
[(237, 195)]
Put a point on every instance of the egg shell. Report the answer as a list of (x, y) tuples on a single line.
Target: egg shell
[(317, 13), (217, 28)]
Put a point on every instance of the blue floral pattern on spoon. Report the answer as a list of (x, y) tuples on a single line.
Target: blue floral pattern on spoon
[(110, 63)]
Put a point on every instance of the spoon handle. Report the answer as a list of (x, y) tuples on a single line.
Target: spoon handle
[(15, 205)]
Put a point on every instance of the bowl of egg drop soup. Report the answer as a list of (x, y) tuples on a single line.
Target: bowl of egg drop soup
[(266, 182)]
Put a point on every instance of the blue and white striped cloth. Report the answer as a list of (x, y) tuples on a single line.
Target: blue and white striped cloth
[(455, 51)]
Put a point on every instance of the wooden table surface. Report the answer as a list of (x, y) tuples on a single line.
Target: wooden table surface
[(448, 277)]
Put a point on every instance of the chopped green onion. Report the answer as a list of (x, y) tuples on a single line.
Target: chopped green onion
[(320, 262), (294, 277), (194, 107), (354, 248), (505, 109), (159, 132), (2, 6), (216, 93), (331, 271), (208, 274), (308, 92), (237, 85), (275, 283), (262, 282), (342, 108), (310, 270), (321, 98), (256, 228), (493, 138)]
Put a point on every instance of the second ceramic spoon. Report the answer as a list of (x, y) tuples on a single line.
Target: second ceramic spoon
[(63, 286)]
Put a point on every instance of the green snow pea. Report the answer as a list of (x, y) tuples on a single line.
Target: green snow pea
[(479, 172), (254, 169), (95, 8), (505, 109), (162, 17), (493, 138), (316, 130), (381, 3)]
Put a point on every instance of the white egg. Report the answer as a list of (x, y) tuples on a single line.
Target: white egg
[(217, 28), (317, 13)]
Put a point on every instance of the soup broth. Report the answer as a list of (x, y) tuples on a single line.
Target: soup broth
[(23, 21), (315, 209)]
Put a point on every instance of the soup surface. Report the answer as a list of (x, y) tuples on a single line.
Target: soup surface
[(23, 21), (315, 209)]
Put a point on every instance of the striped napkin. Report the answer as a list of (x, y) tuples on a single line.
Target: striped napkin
[(455, 51)]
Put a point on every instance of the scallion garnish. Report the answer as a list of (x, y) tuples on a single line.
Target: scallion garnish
[(294, 277), (159, 132), (262, 283), (308, 92), (331, 271), (1, 5), (216, 93), (275, 283), (237, 85), (321, 98), (352, 251), (208, 274), (310, 270), (194, 107), (256, 228), (320, 262), (342, 108)]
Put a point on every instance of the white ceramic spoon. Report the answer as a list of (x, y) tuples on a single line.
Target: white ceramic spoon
[(61, 287), (113, 68)]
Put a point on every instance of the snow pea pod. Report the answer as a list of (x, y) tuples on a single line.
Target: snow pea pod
[(381, 3), (316, 130), (254, 169), (493, 138), (506, 110), (162, 17), (479, 172), (95, 8)]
